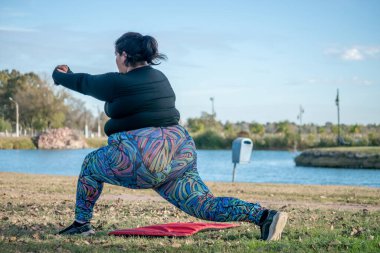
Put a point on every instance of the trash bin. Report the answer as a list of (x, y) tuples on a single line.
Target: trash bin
[(241, 152)]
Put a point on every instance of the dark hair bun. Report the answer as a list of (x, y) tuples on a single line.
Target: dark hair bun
[(139, 48), (149, 45)]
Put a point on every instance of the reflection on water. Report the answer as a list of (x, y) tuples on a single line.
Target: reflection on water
[(265, 166)]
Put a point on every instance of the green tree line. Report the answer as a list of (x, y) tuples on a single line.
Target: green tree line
[(209, 133), (42, 105)]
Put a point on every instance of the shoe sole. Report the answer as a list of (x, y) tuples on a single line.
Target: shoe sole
[(277, 226)]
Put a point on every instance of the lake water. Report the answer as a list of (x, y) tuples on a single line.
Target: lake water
[(265, 167)]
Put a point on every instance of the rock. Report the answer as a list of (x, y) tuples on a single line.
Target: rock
[(61, 138), (334, 159)]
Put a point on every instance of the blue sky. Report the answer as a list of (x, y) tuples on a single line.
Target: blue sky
[(261, 60)]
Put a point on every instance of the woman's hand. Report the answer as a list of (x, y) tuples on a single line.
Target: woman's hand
[(62, 68)]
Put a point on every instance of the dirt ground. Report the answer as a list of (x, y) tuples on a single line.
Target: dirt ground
[(321, 218)]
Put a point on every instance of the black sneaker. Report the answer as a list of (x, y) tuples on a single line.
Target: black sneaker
[(78, 229), (271, 228)]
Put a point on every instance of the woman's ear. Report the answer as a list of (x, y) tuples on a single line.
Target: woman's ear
[(124, 54)]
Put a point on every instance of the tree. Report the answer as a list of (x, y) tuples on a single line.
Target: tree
[(195, 125), (229, 129), (5, 125), (355, 129), (39, 106), (257, 128), (321, 130), (78, 114), (283, 127), (205, 122)]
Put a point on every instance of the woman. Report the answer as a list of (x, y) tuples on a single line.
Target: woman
[(147, 148)]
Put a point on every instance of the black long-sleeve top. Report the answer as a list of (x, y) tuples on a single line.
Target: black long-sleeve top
[(143, 97)]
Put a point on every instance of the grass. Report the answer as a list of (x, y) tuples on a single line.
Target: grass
[(96, 142), (322, 218), (16, 143)]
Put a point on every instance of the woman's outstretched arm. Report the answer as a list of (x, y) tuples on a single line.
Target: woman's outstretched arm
[(98, 86)]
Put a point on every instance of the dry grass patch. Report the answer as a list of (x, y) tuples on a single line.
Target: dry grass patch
[(322, 218)]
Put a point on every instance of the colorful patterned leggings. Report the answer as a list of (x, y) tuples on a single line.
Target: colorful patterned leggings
[(165, 160)]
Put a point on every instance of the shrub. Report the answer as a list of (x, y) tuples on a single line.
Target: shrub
[(211, 140), (276, 141), (5, 125), (373, 139), (16, 143), (327, 142), (96, 142)]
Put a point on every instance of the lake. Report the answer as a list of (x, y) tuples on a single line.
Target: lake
[(215, 165)]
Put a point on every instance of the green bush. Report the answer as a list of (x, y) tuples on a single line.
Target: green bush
[(96, 142), (5, 125), (211, 140), (276, 141), (259, 142), (309, 141), (373, 139), (16, 143), (357, 141), (326, 142)]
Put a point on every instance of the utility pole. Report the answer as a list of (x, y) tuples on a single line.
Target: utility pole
[(337, 104), (17, 115), (212, 107)]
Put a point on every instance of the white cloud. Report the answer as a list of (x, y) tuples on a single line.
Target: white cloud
[(352, 54), (355, 53)]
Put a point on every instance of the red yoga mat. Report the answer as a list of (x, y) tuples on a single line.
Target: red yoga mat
[(172, 229)]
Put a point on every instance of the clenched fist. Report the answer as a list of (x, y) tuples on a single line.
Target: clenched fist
[(62, 68)]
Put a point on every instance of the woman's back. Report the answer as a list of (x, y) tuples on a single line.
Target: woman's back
[(143, 97)]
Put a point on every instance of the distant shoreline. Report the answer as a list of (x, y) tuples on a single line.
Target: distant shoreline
[(341, 157), (26, 142)]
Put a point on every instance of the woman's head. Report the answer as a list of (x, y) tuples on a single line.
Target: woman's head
[(136, 49)]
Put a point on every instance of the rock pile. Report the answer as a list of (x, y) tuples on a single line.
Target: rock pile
[(61, 138)]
